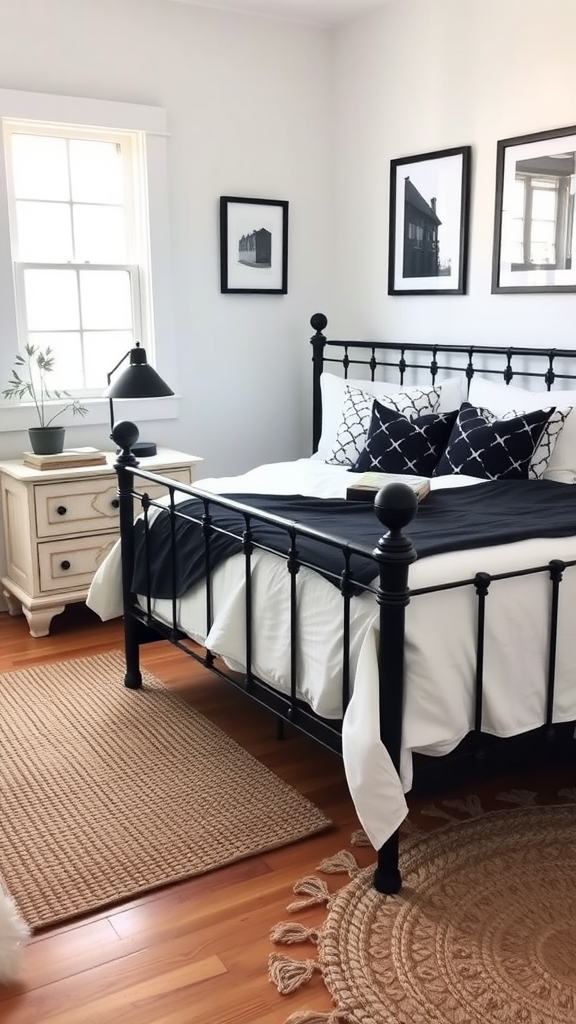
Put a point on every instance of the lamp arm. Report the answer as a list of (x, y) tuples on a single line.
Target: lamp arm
[(109, 379)]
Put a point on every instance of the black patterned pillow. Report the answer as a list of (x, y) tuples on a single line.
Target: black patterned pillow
[(492, 449), (396, 444), (357, 413)]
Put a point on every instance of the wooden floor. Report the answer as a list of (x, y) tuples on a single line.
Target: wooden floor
[(195, 953)]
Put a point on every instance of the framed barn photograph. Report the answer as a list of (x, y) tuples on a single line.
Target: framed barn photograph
[(253, 245), (534, 237), (429, 214)]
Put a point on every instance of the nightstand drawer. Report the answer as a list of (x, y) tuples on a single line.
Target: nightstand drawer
[(65, 564), (85, 506), (81, 506)]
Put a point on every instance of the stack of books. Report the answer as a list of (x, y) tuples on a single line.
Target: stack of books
[(366, 487), (70, 458)]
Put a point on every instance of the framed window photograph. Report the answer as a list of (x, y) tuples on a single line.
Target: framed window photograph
[(534, 241), (253, 245), (429, 214)]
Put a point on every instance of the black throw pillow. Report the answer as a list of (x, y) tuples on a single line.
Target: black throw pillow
[(395, 444), (492, 449)]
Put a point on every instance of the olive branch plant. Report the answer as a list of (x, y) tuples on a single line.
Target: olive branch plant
[(39, 362)]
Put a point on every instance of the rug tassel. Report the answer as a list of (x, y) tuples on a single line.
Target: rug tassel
[(341, 863), (290, 932), (315, 888), (359, 838), (313, 1017), (288, 974)]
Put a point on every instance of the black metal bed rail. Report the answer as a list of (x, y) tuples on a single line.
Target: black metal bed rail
[(290, 707)]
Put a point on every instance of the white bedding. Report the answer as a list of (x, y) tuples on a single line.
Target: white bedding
[(440, 641)]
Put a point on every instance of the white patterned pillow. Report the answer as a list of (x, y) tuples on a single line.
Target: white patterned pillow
[(547, 443), (357, 414)]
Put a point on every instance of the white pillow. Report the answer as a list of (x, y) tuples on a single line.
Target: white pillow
[(503, 398), (332, 391), (357, 415)]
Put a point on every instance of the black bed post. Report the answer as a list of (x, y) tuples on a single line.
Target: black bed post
[(318, 322), (125, 434), (395, 505)]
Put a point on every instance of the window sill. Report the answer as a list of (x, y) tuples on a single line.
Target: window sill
[(20, 417)]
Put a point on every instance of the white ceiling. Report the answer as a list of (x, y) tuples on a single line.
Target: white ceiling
[(315, 12)]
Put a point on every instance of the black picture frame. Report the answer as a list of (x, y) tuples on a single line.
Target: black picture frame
[(534, 221), (253, 246), (429, 222)]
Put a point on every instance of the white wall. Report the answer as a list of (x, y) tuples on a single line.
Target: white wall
[(426, 75), (248, 103)]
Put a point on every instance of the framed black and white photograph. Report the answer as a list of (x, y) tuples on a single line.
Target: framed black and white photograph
[(429, 213), (534, 243), (253, 245)]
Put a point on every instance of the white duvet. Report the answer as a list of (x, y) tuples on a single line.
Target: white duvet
[(440, 641)]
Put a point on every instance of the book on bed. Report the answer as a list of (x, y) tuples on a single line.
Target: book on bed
[(368, 484)]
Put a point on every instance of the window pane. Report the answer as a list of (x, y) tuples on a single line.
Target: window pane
[(542, 231), (540, 253), (96, 171), (67, 351), (103, 351), (40, 167), (106, 299), (44, 232), (543, 205), (52, 300), (99, 234)]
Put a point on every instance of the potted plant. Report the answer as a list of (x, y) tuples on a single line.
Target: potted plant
[(45, 439)]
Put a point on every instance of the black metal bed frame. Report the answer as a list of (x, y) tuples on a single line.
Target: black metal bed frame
[(395, 506)]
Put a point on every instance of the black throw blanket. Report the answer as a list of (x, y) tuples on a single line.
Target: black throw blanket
[(452, 519)]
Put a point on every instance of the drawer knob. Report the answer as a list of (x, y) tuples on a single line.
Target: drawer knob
[(115, 502), (61, 510), (65, 564)]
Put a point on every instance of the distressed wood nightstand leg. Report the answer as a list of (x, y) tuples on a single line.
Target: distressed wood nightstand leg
[(39, 619), (14, 605)]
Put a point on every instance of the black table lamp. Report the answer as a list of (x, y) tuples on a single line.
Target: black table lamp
[(138, 380)]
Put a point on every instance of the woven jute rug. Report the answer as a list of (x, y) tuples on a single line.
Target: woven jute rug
[(106, 792), (482, 932)]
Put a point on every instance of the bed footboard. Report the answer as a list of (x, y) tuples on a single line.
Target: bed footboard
[(389, 561)]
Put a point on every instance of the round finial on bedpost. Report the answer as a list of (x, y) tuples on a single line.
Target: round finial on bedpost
[(125, 434), (395, 506), (318, 322)]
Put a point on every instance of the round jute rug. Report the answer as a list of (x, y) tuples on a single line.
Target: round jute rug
[(482, 932)]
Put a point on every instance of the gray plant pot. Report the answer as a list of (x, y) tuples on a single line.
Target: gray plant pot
[(46, 440)]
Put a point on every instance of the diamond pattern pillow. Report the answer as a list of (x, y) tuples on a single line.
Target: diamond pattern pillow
[(396, 444), (357, 414), (492, 449), (547, 443)]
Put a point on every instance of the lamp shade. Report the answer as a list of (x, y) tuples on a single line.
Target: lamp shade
[(138, 380)]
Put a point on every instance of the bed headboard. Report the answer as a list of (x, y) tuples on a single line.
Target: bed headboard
[(409, 361)]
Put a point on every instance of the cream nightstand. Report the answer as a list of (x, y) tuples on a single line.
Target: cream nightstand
[(59, 525)]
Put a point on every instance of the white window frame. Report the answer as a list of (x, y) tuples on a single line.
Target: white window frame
[(150, 122)]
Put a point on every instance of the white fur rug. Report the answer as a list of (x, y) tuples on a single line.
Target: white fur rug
[(13, 934)]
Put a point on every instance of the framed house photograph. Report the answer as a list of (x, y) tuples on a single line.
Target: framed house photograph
[(534, 241), (253, 245), (429, 213)]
